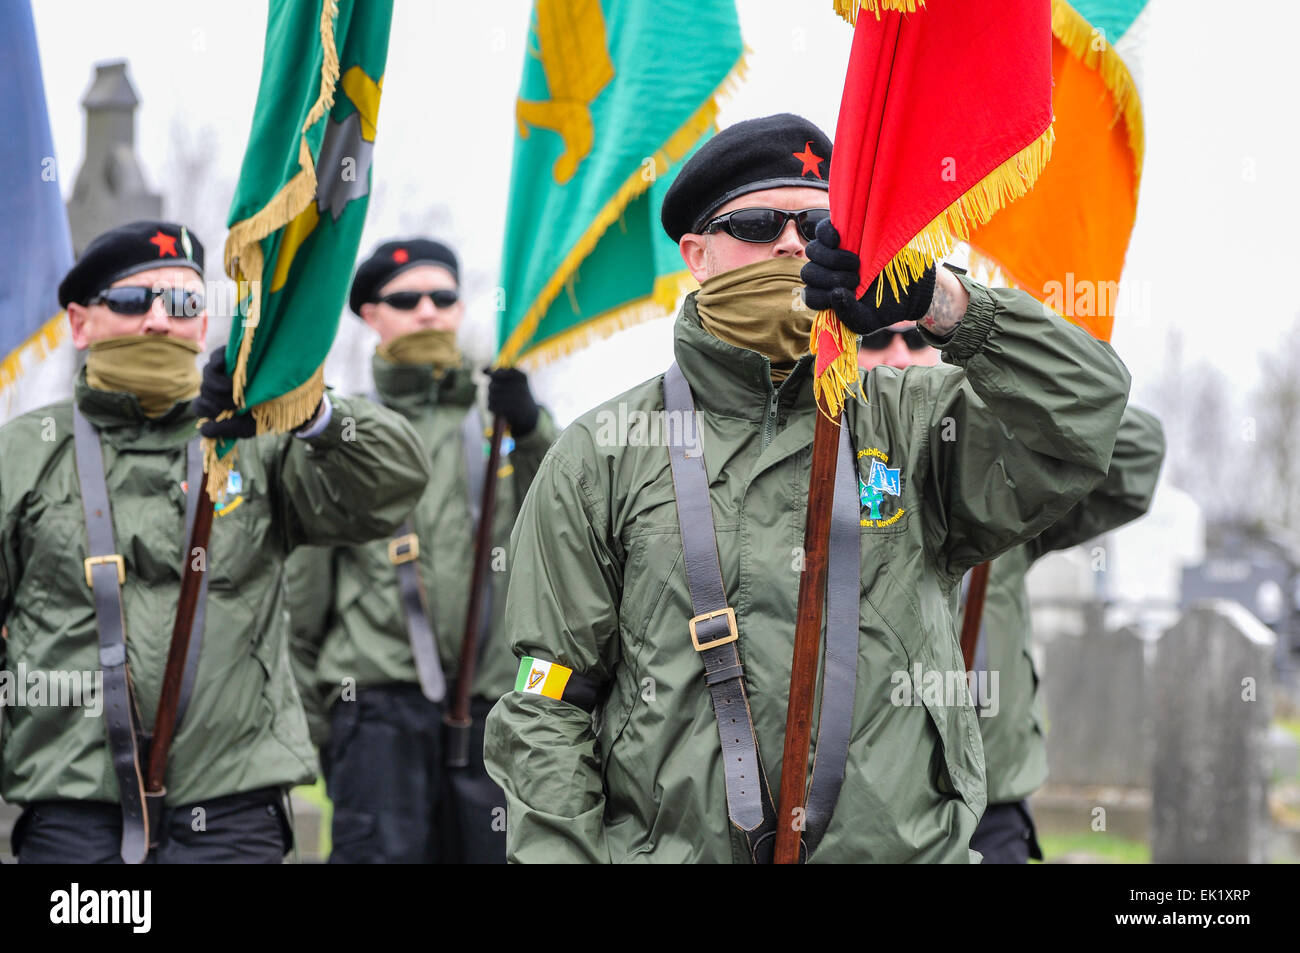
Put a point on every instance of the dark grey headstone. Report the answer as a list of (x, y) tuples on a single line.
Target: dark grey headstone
[(1211, 708), (1095, 687)]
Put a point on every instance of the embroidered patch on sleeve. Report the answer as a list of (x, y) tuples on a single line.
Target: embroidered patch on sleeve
[(540, 677)]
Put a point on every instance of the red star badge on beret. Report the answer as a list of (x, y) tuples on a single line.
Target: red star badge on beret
[(401, 256), (166, 244), (810, 160)]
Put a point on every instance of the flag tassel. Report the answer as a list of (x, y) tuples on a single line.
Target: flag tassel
[(1004, 184), (667, 290), (42, 343), (999, 188), (849, 9), (840, 375), (244, 263)]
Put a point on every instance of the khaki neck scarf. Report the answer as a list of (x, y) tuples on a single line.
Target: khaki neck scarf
[(158, 370), (759, 307), (423, 347)]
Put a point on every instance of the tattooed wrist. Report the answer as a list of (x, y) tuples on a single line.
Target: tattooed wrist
[(947, 307)]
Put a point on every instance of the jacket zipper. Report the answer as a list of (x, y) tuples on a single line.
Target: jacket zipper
[(769, 422)]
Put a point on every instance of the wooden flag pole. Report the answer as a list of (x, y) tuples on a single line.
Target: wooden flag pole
[(457, 719), (164, 723), (807, 638), (974, 612)]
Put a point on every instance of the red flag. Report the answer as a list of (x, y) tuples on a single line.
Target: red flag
[(946, 117)]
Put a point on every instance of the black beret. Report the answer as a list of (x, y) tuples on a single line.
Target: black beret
[(766, 153), (394, 257), (127, 250)]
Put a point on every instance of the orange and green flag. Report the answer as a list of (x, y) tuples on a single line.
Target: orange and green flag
[(299, 207), (615, 96), (1065, 243)]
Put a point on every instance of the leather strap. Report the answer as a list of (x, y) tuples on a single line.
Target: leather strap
[(404, 552), (471, 438), (840, 662), (749, 801), (193, 480), (415, 605), (405, 546), (723, 671), (111, 625), (471, 435), (981, 661)]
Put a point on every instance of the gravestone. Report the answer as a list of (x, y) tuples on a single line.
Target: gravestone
[(1210, 710), (1095, 686)]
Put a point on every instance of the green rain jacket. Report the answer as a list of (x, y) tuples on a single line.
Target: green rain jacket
[(990, 452), (1014, 751), (347, 614), (244, 728)]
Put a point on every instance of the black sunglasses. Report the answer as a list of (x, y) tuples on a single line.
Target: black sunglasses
[(410, 300), (879, 340), (138, 299), (760, 225)]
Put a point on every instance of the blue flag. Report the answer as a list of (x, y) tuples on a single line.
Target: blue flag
[(35, 244)]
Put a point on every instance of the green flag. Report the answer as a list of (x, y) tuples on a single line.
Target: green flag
[(300, 204), (615, 95)]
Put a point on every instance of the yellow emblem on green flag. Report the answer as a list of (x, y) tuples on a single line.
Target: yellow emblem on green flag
[(615, 95), (299, 207)]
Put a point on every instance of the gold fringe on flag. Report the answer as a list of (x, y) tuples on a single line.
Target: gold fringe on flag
[(849, 9), (999, 188), (40, 342), (245, 263), (660, 302), (678, 144), (1004, 184), (1093, 47), (840, 376)]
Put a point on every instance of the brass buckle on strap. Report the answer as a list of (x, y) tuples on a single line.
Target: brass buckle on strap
[(732, 636), (92, 561), (397, 555)]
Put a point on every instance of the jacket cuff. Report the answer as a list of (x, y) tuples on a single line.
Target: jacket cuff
[(328, 430), (965, 342), (322, 420), (539, 439)]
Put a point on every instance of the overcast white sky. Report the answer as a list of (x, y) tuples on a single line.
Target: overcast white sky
[(1213, 252)]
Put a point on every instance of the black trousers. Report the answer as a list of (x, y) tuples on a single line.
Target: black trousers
[(1006, 835), (246, 828), (394, 800)]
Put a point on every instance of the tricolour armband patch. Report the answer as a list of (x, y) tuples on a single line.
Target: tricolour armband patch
[(540, 677)]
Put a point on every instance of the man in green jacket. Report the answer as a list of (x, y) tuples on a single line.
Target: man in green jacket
[(94, 494), (1012, 721), (609, 748), (1014, 725), (378, 627)]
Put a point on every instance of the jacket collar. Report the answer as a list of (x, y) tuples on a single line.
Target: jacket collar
[(730, 380), (118, 417), (410, 386)]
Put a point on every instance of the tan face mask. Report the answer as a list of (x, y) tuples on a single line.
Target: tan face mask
[(759, 307), (429, 346), (158, 370)]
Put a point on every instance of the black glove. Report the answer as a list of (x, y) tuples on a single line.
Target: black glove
[(831, 277), (217, 394), (509, 397)]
